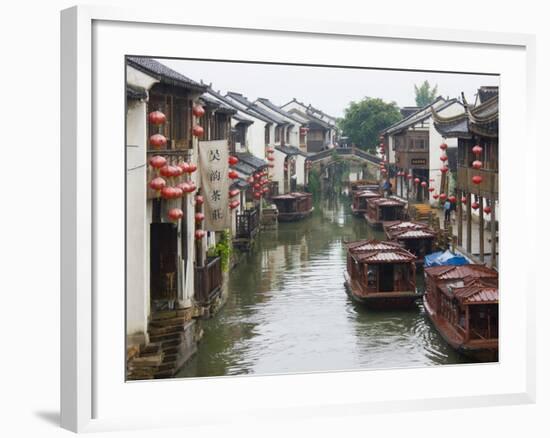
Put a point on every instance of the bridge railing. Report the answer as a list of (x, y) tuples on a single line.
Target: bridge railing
[(345, 151)]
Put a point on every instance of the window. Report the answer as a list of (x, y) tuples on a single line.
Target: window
[(288, 135), (266, 134), (278, 134)]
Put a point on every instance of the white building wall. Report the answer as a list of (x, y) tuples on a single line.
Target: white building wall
[(300, 170), (277, 171)]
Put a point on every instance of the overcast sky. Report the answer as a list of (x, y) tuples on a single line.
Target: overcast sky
[(327, 88)]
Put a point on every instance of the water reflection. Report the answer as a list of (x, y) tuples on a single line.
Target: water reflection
[(287, 309)]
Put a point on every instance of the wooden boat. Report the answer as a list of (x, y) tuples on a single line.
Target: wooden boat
[(293, 206), (359, 201), (462, 303), (380, 210), (416, 237), (381, 275), (364, 184)]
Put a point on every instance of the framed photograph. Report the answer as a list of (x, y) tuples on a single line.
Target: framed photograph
[(252, 208)]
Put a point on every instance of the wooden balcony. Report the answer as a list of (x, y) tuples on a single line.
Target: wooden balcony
[(208, 280), (488, 187), (247, 224)]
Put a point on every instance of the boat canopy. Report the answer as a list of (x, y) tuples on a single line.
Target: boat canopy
[(441, 258)]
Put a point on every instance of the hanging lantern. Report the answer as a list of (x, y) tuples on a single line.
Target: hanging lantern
[(424, 184), (192, 168), (234, 192), (169, 192), (475, 205), (431, 189), (477, 179), (432, 179), (157, 118), (271, 158), (233, 160), (234, 204), (477, 164), (270, 150), (257, 195), (192, 187), (198, 110), (271, 165), (158, 183), (443, 158), (464, 199), (256, 176), (250, 179), (487, 210), (452, 199), (198, 131), (232, 174), (184, 167), (169, 171), (443, 146), (416, 180), (442, 196), (157, 161), (477, 150), (435, 195), (175, 214), (199, 234), (384, 171), (199, 217), (184, 187), (157, 141), (265, 190), (409, 176), (199, 200), (444, 169)]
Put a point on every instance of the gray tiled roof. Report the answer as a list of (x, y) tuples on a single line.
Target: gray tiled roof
[(256, 109), (163, 73), (277, 109), (290, 150), (251, 160), (227, 101)]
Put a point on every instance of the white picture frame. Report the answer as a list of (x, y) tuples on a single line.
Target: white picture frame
[(94, 398)]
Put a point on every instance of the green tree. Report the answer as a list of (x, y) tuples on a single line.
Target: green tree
[(425, 94), (364, 120)]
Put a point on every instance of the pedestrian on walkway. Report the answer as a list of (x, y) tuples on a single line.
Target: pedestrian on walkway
[(447, 208), (387, 188)]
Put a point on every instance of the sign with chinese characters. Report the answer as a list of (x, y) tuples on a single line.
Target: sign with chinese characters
[(214, 167)]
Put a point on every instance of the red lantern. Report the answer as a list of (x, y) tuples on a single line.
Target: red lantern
[(270, 150), (199, 200), (442, 196), (265, 190), (409, 176), (257, 195), (477, 150), (157, 183), (170, 171), (432, 179), (175, 214), (198, 110), (234, 192), (487, 210), (199, 234), (443, 158), (199, 217), (234, 204), (233, 160), (443, 146), (198, 131), (257, 176), (431, 189), (157, 118), (250, 179), (157, 141), (184, 167), (184, 187), (416, 180), (271, 158), (475, 205), (424, 184), (169, 192), (157, 161), (452, 199), (464, 199), (477, 164), (435, 196), (271, 165), (192, 187), (477, 179), (384, 171), (192, 167), (444, 169), (232, 174)]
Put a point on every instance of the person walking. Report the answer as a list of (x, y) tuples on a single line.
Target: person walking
[(447, 208), (386, 187)]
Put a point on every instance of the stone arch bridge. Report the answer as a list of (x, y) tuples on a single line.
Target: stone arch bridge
[(330, 156)]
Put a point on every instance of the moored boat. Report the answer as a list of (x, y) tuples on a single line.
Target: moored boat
[(462, 303), (293, 206), (359, 201), (380, 210), (416, 237), (381, 275)]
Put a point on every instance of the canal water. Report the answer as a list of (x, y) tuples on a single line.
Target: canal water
[(287, 309)]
